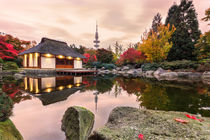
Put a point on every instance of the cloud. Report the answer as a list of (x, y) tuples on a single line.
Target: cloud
[(74, 20)]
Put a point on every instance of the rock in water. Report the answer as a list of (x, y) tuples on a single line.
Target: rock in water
[(77, 123)]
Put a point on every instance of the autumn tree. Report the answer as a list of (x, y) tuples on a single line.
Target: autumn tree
[(157, 45), (207, 15), (184, 18), (104, 56), (203, 45)]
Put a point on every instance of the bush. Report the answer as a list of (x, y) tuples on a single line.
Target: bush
[(10, 66), (104, 56), (1, 61), (179, 64), (6, 106), (150, 66), (108, 66)]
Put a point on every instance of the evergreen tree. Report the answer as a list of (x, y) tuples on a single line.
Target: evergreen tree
[(156, 22), (184, 18)]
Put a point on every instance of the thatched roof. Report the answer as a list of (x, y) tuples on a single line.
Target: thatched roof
[(54, 47)]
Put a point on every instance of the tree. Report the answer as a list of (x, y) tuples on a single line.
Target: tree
[(104, 56), (156, 45), (203, 45), (184, 18), (156, 22), (80, 49), (7, 50), (207, 17)]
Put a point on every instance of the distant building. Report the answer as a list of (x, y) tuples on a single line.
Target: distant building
[(51, 54), (96, 41)]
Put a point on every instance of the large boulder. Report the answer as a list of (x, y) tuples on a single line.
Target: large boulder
[(168, 76), (77, 123), (8, 131), (206, 77), (118, 68), (159, 71), (149, 74), (184, 74), (126, 123), (125, 68)]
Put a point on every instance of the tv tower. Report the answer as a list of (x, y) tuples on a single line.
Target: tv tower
[(96, 41)]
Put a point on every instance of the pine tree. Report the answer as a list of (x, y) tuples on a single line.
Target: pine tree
[(184, 18), (156, 22)]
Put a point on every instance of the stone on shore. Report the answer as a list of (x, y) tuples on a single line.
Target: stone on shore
[(206, 77), (168, 76), (77, 123), (8, 131), (159, 71), (126, 123)]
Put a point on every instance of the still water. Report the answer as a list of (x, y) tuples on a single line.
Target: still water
[(40, 103)]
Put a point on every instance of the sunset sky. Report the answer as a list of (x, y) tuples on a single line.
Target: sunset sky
[(74, 21)]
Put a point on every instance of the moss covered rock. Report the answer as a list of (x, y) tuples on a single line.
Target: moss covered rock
[(8, 131), (126, 123), (77, 123)]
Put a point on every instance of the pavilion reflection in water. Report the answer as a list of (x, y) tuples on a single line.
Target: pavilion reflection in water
[(52, 89)]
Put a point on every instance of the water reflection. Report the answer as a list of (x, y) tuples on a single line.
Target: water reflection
[(52, 89), (51, 96)]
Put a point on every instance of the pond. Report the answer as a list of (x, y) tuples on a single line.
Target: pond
[(40, 102)]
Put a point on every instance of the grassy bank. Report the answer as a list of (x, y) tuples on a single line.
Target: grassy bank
[(8, 131)]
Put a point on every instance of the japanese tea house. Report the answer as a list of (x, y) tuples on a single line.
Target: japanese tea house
[(51, 54)]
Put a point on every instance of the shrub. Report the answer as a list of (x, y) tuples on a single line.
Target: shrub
[(150, 66), (10, 66), (1, 61), (131, 56), (6, 106), (108, 66), (179, 64)]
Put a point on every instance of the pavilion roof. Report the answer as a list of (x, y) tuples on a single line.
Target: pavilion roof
[(53, 47)]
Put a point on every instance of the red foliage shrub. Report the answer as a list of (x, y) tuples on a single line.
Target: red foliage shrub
[(89, 58), (131, 56), (10, 47)]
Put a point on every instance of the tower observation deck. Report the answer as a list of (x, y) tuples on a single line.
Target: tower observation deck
[(96, 41)]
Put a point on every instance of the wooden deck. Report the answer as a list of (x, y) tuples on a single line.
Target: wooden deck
[(60, 71)]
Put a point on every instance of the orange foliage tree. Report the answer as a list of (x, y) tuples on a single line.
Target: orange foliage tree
[(156, 45)]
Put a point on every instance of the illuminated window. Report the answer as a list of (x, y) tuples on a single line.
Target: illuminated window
[(25, 60), (31, 62), (36, 56)]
